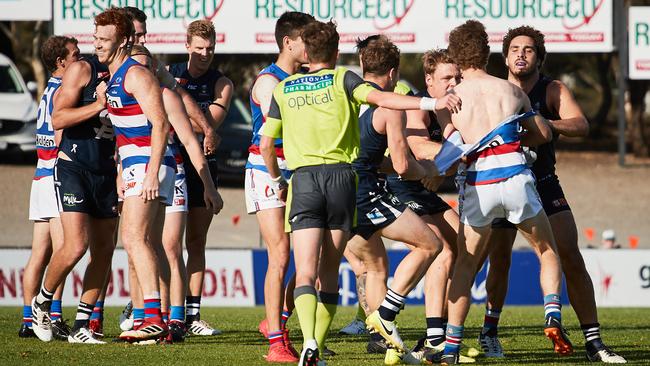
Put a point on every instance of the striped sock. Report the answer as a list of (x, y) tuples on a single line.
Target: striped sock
[(491, 320), (275, 337), (138, 317), (284, 318), (453, 339), (27, 315), (192, 307), (435, 332), (98, 311), (392, 304), (55, 310), (591, 332), (44, 295), (152, 308), (177, 313), (552, 307), (83, 315)]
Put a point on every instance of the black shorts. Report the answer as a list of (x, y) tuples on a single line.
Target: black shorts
[(376, 209), (419, 199), (193, 180), (323, 196), (80, 190), (552, 197)]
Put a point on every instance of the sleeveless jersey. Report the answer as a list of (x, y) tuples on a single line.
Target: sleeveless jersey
[(91, 144), (46, 149), (372, 147), (200, 88), (545, 163), (132, 129), (256, 110), (498, 156)]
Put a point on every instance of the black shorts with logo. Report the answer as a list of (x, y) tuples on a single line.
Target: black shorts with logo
[(193, 180), (419, 199), (553, 200), (81, 190), (376, 208), (323, 196)]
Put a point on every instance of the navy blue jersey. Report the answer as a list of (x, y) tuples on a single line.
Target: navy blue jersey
[(200, 88), (545, 163), (372, 148), (91, 144)]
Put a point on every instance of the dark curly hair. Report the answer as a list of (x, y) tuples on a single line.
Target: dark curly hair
[(290, 24), (321, 41), (54, 48), (534, 34), (468, 45), (378, 54)]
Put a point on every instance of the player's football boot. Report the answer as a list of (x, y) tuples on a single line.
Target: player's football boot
[(490, 343), (558, 335), (41, 322), (597, 351), (387, 329), (83, 335)]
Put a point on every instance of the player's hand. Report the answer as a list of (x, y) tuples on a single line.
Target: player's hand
[(119, 182), (213, 200), (450, 101), (101, 93), (150, 187), (211, 142), (282, 193), (432, 183)]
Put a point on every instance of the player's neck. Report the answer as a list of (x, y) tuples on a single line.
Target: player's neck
[(196, 70), (380, 80), (58, 73), (472, 73), (287, 63), (526, 83), (116, 62), (321, 65)]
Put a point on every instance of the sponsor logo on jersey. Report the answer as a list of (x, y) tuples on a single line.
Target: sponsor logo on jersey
[(309, 83), (70, 199)]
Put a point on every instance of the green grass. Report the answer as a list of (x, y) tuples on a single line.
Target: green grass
[(626, 330)]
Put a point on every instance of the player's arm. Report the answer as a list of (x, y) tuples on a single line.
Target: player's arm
[(403, 163), (218, 109), (262, 92), (183, 128), (66, 113), (200, 122), (538, 128), (271, 130), (144, 87), (417, 135), (573, 122)]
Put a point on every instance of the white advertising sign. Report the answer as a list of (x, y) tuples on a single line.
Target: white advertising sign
[(620, 277), (228, 279), (639, 42), (246, 26), (25, 10)]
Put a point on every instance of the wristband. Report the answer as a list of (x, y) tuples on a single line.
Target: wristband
[(278, 182), (428, 104)]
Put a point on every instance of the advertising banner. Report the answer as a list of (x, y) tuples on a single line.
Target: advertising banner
[(228, 279), (639, 42), (246, 26), (25, 10)]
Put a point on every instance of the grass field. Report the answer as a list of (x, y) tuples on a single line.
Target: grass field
[(626, 330)]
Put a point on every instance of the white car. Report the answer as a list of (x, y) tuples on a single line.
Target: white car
[(17, 109)]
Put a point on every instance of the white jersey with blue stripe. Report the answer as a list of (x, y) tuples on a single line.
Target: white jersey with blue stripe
[(46, 148), (498, 156), (132, 129)]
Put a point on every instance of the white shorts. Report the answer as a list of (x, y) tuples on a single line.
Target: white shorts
[(515, 199), (43, 203), (179, 203), (257, 187), (134, 175)]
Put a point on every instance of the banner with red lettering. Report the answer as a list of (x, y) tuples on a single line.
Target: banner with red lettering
[(228, 279)]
